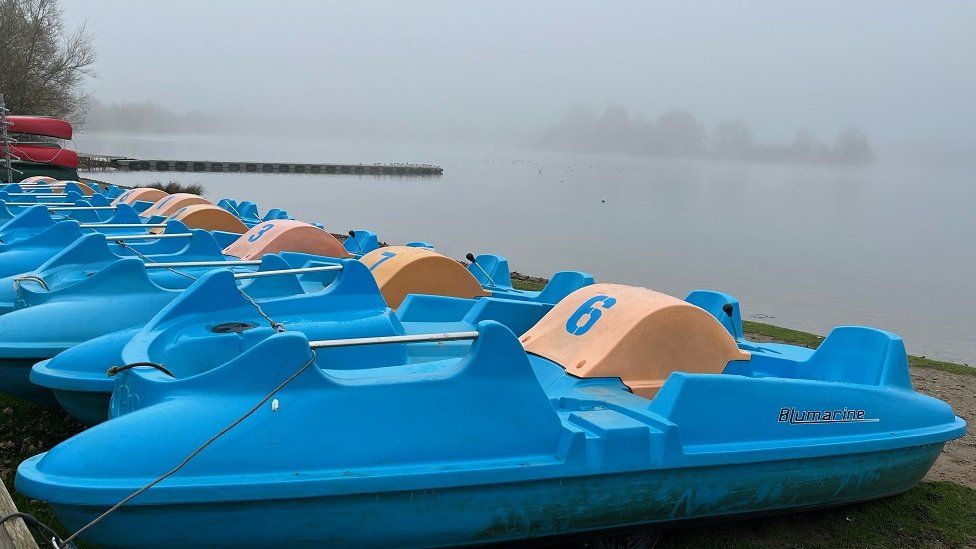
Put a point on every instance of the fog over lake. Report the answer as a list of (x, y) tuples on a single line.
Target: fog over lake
[(800, 246), (818, 161)]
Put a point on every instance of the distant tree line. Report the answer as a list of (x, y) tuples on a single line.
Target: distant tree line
[(148, 117), (678, 134)]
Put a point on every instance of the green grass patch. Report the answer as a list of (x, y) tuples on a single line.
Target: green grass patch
[(173, 187), (532, 285), (932, 514), (27, 429), (806, 339)]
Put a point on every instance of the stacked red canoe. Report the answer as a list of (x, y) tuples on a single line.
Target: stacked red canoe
[(42, 152)]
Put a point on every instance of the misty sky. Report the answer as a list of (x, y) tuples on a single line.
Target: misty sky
[(898, 70)]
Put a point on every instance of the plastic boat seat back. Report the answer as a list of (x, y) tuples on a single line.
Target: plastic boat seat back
[(285, 235), (5, 213), (209, 217), (56, 236), (230, 205), (124, 213), (139, 194), (77, 186), (248, 210), (857, 354), (403, 270), (349, 307), (169, 204), (90, 252), (25, 223), (494, 266), (716, 303), (361, 242), (275, 213), (483, 407), (563, 284), (635, 334)]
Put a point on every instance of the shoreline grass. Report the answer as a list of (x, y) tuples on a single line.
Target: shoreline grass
[(806, 339), (173, 187)]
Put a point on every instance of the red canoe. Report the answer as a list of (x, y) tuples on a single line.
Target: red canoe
[(40, 125), (45, 154)]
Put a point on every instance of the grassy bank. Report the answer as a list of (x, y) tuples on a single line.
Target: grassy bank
[(759, 330), (173, 187), (933, 514), (27, 429)]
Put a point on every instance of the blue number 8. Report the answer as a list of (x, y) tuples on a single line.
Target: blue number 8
[(589, 309)]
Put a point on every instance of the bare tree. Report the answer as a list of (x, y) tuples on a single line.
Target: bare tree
[(43, 65)]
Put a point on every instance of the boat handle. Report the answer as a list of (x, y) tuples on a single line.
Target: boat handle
[(123, 237), (25, 204), (418, 338), (79, 208), (123, 225), (119, 369), (32, 278), (202, 264), (259, 274)]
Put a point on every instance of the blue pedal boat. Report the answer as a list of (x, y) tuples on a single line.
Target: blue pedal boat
[(417, 269), (78, 376), (89, 188), (19, 255), (248, 211), (33, 236), (621, 407), (126, 211), (91, 253), (123, 294), (87, 254)]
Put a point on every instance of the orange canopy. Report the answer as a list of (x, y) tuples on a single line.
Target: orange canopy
[(635, 334)]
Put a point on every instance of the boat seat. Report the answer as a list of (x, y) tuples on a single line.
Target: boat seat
[(169, 204), (78, 186), (635, 334), (285, 235), (403, 270), (208, 217)]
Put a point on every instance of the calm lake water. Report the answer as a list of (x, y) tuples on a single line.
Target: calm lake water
[(892, 245)]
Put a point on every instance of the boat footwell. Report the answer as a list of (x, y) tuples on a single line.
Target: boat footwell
[(509, 511)]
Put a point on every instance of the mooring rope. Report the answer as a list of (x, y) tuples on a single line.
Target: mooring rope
[(193, 454), (68, 543), (275, 325)]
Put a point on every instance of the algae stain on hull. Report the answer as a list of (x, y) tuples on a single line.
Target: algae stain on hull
[(635, 499)]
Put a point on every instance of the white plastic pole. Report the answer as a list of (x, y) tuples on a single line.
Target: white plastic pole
[(260, 274), (419, 338)]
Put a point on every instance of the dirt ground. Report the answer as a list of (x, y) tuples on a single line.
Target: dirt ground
[(958, 460)]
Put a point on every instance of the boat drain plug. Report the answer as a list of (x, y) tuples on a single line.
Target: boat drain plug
[(232, 327)]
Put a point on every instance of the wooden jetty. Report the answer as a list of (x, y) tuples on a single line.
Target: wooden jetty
[(14, 533), (88, 162)]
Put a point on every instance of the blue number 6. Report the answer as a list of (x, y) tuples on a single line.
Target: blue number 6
[(592, 311)]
